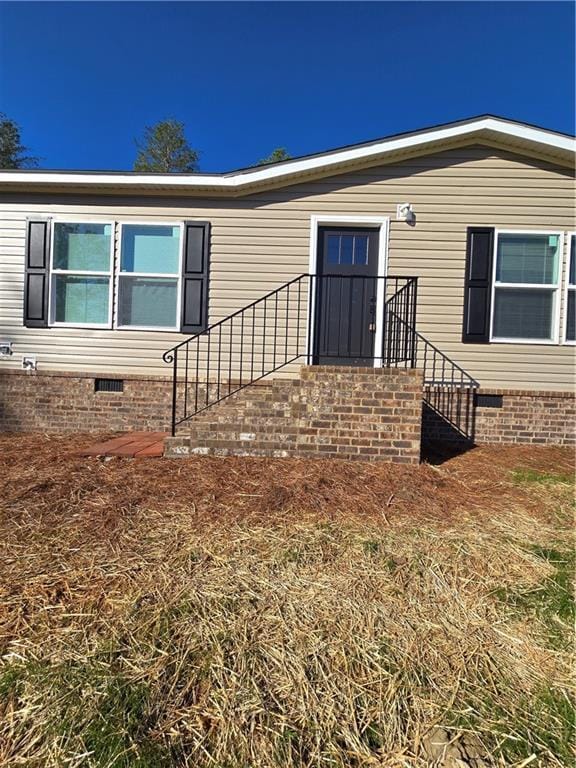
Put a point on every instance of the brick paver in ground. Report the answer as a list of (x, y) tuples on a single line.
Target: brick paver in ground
[(133, 445)]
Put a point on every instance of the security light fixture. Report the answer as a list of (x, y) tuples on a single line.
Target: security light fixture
[(405, 212)]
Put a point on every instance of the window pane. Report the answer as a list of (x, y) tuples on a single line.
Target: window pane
[(523, 313), (572, 268), (527, 259), (147, 301), (82, 247), (571, 317), (333, 249), (346, 249), (81, 299), (153, 249), (361, 249)]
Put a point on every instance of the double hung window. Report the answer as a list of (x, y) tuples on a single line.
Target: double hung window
[(82, 263), (149, 276), (526, 286), (139, 289), (570, 305)]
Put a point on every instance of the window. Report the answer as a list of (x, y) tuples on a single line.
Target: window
[(570, 306), (106, 274), (347, 249), (81, 285), (147, 271), (149, 276), (526, 286)]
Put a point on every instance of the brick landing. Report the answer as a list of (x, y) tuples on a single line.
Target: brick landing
[(133, 445)]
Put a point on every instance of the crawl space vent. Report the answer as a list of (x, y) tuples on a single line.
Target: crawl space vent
[(489, 401), (108, 385)]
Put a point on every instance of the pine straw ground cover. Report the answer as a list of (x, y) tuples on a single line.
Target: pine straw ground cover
[(247, 613)]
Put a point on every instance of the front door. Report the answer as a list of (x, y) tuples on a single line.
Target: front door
[(346, 290)]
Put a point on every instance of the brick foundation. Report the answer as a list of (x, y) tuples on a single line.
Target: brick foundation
[(330, 411), (66, 402), (545, 418)]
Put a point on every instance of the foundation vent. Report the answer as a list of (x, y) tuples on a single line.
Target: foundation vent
[(489, 401), (108, 385)]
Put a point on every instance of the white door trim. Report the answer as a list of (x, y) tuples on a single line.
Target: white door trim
[(383, 224)]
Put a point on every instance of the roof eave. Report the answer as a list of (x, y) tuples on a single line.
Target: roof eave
[(557, 148)]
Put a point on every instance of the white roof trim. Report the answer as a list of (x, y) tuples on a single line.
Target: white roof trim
[(239, 179)]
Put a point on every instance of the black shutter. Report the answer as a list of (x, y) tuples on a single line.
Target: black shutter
[(37, 273), (195, 270), (478, 285)]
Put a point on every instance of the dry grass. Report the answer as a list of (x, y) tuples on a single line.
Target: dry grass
[(239, 613)]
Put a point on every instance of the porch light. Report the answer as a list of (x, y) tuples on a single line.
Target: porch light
[(405, 212)]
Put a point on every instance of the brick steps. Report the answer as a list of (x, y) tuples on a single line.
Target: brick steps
[(330, 411), (256, 423), (243, 410), (255, 393)]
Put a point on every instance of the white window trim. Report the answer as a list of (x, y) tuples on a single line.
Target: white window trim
[(383, 225), (567, 288), (556, 289), (52, 323), (171, 275)]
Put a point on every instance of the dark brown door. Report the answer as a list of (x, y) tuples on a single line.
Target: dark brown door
[(346, 287)]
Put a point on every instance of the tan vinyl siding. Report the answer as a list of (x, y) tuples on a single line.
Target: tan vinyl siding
[(261, 241)]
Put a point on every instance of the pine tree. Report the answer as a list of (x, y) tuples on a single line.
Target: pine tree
[(276, 156), (12, 151), (166, 150)]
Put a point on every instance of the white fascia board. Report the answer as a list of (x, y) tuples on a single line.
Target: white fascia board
[(238, 180)]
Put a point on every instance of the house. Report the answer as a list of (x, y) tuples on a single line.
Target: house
[(345, 303)]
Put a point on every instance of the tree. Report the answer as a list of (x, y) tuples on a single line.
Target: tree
[(276, 156), (12, 151), (165, 149)]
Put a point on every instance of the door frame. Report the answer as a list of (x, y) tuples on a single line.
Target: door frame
[(379, 223)]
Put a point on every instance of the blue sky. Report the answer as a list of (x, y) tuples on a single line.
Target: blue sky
[(83, 79)]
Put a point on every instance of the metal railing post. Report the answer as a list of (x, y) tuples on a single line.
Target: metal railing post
[(413, 321), (312, 310), (174, 391)]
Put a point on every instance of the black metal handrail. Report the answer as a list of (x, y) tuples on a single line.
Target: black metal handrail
[(399, 341), (448, 389), (272, 332)]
